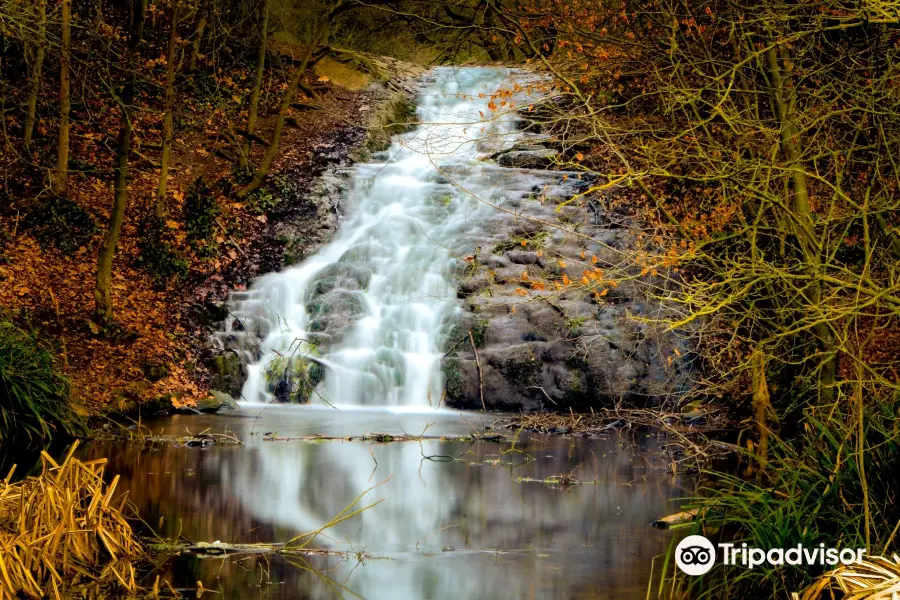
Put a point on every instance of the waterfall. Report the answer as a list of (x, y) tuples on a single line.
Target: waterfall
[(374, 308)]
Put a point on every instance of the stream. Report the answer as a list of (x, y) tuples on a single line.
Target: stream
[(358, 331), (485, 524)]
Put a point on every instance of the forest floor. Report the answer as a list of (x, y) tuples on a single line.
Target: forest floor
[(48, 248)]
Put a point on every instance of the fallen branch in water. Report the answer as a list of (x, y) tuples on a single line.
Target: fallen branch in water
[(219, 549), (384, 438)]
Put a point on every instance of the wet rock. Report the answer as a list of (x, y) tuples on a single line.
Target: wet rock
[(227, 400), (555, 348), (228, 373), (531, 157), (519, 257)]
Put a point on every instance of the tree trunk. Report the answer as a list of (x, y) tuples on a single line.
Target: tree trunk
[(286, 100), (61, 175), (801, 221), (257, 81), (35, 84), (167, 118), (204, 9), (103, 290)]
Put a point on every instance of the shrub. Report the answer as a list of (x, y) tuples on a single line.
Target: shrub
[(34, 397), (158, 254), (61, 223), (200, 212)]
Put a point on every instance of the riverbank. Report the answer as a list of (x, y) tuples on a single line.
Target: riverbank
[(164, 304)]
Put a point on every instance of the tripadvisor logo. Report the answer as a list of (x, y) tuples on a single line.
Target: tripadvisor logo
[(696, 555)]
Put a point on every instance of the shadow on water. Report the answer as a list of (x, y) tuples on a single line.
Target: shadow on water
[(485, 524)]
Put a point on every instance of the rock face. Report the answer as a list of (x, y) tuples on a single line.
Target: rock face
[(560, 311), (228, 372)]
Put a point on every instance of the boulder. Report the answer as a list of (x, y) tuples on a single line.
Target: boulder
[(215, 402), (228, 373)]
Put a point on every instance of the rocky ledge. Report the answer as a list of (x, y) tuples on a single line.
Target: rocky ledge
[(557, 311)]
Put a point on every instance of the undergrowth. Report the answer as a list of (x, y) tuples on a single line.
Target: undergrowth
[(824, 487), (34, 396), (60, 223)]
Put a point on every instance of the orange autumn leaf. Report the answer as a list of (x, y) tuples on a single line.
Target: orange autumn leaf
[(521, 292), (566, 280), (582, 254), (524, 243), (524, 275), (540, 253), (562, 263), (579, 156), (594, 259)]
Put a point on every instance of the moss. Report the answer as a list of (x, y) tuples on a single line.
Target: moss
[(479, 333), (452, 376), (293, 378), (530, 241)]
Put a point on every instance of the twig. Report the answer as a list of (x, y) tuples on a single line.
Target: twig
[(480, 375)]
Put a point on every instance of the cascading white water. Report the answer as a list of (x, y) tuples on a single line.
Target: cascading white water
[(391, 265)]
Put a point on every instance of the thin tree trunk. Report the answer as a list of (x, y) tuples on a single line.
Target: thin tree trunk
[(61, 175), (802, 220), (257, 81), (201, 29), (286, 100), (35, 87), (167, 118), (103, 290)]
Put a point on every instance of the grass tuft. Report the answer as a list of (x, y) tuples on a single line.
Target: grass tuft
[(34, 396)]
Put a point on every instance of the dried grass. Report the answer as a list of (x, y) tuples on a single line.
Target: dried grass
[(61, 529), (876, 578)]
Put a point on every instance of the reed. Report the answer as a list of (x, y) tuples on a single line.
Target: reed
[(876, 578), (64, 529)]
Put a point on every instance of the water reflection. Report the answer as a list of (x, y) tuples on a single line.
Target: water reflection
[(471, 527)]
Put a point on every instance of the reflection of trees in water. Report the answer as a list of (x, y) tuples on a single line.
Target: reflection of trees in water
[(589, 537)]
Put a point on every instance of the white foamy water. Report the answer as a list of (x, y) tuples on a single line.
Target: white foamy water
[(391, 264)]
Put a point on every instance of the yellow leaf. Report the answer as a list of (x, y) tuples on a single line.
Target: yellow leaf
[(323, 79)]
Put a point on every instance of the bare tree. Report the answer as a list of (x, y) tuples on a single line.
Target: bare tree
[(103, 291)]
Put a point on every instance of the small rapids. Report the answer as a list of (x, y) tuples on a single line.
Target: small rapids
[(366, 319)]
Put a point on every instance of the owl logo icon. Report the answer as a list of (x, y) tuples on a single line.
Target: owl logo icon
[(695, 555)]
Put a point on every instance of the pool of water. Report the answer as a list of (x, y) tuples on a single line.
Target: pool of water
[(455, 519)]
